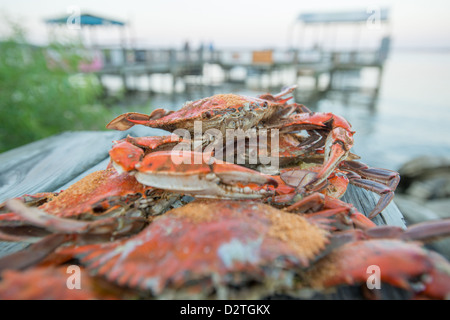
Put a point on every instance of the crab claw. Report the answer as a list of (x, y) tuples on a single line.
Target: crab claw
[(125, 156), (127, 120), (127, 153), (197, 174), (337, 147)]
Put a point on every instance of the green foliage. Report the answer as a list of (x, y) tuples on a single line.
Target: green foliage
[(42, 93)]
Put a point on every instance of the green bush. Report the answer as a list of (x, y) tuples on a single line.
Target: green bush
[(42, 93)]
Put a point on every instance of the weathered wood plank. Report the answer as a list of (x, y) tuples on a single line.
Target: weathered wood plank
[(7, 248), (47, 164), (54, 163), (135, 132)]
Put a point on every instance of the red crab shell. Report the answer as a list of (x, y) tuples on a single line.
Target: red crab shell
[(406, 265), (102, 195), (95, 192), (205, 244), (222, 111)]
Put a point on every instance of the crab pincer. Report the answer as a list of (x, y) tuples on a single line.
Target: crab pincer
[(338, 142), (126, 153), (201, 175)]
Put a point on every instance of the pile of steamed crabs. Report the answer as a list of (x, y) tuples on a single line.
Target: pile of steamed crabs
[(150, 227)]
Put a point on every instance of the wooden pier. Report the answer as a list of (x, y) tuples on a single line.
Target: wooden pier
[(317, 65), (327, 67)]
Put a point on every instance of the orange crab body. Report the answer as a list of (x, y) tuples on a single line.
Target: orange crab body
[(209, 245), (51, 284), (223, 111), (103, 203), (231, 111), (329, 141), (402, 264)]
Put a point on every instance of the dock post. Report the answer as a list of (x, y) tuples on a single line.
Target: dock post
[(374, 101), (124, 80), (173, 68)]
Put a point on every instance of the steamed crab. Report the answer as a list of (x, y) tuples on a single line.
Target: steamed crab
[(230, 111), (105, 204), (248, 235), (234, 249), (329, 137), (199, 175), (154, 163), (114, 204)]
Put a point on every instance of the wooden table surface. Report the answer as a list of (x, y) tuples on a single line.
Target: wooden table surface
[(55, 163)]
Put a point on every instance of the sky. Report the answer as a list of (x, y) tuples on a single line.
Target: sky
[(234, 23)]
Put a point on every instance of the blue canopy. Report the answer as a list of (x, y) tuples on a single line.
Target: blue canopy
[(88, 20), (341, 17)]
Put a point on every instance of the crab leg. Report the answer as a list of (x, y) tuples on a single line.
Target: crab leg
[(381, 181), (286, 91), (386, 194), (385, 176), (112, 226), (330, 206), (425, 231), (315, 140), (278, 97), (34, 253), (337, 148), (127, 120), (64, 230), (428, 230)]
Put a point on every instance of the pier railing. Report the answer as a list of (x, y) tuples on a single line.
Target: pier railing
[(172, 60), (315, 64)]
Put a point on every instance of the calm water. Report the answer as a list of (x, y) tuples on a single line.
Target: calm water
[(412, 117)]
